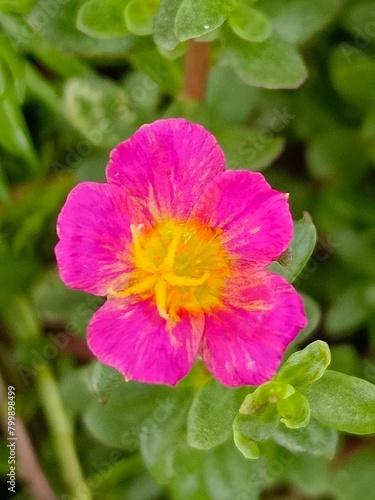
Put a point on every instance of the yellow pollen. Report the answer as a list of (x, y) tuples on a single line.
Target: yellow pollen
[(180, 266)]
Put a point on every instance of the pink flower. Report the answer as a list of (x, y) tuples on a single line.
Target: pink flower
[(179, 246)]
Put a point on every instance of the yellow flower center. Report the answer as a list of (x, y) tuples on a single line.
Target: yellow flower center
[(181, 266)]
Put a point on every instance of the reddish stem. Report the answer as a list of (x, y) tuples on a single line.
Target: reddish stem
[(197, 67)]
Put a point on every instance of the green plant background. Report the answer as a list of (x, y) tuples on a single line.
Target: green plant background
[(290, 92)]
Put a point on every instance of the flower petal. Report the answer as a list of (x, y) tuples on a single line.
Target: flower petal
[(133, 338), (244, 344), (94, 231), (256, 220), (164, 166)]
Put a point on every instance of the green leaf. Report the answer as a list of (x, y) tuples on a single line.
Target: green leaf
[(229, 475), (313, 314), (354, 479), (270, 392), (75, 390), (305, 367), (259, 425), (14, 133), (57, 25), (16, 66), (229, 99), (103, 380), (102, 18), (195, 18), (353, 76), (98, 108), (130, 405), (273, 64), (167, 74), (331, 155), (350, 310), (250, 24), (160, 437), (345, 359), (343, 402), (139, 16), (16, 6), (19, 272), (295, 411), (249, 149), (356, 19), (302, 247), (163, 30), (56, 304), (247, 447), (315, 439), (211, 415), (298, 20)]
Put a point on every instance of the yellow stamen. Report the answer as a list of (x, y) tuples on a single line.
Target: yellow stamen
[(140, 287), (161, 298), (175, 280), (180, 266), (139, 258)]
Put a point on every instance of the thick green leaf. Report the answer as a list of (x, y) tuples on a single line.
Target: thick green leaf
[(270, 392), (160, 436), (304, 367), (302, 247), (331, 155), (139, 16), (56, 304), (229, 99), (75, 389), (16, 6), (315, 439), (98, 108), (295, 411), (17, 272), (163, 30), (16, 66), (103, 380), (343, 402), (250, 24), (356, 18), (258, 426), (211, 415), (57, 24), (350, 310), (249, 149), (167, 74), (14, 133), (229, 475), (102, 18), (247, 447), (345, 359), (354, 479), (298, 20), (313, 314), (273, 64), (129, 406), (194, 18), (353, 76)]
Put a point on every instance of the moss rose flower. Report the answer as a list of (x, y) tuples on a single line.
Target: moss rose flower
[(179, 246)]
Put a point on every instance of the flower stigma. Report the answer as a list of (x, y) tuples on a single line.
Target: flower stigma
[(180, 266)]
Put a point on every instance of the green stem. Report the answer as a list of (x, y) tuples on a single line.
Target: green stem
[(61, 433), (23, 324)]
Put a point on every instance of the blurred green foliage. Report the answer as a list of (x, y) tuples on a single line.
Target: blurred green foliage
[(290, 92)]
